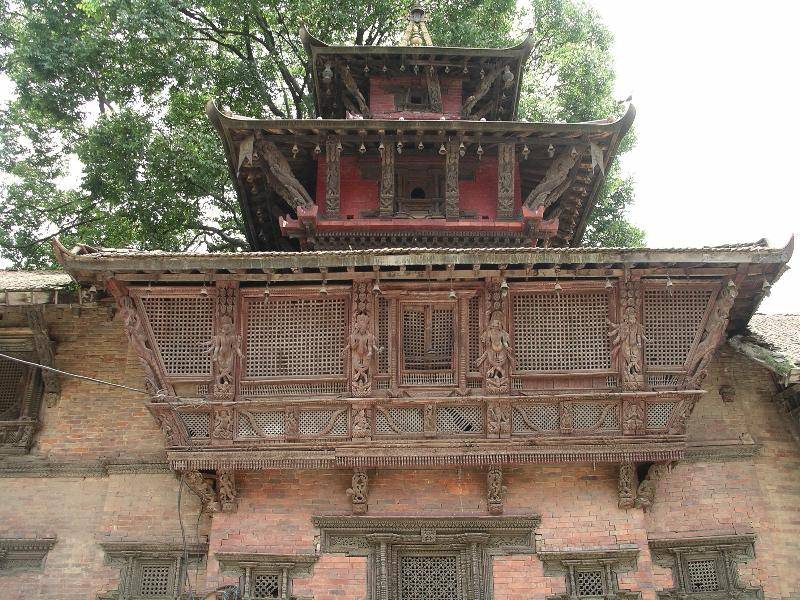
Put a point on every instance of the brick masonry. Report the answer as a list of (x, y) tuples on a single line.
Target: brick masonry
[(577, 503)]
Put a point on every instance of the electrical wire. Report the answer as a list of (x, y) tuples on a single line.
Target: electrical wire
[(75, 375)]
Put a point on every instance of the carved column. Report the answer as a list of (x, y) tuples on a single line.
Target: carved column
[(225, 346), (359, 492), (332, 175), (506, 153), (452, 209), (497, 357), (434, 89), (362, 348), (386, 208), (44, 352), (627, 336), (495, 490), (627, 484)]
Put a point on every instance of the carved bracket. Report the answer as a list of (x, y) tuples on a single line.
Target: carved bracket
[(24, 553), (495, 490), (217, 493), (359, 492), (497, 358), (627, 485), (45, 352), (225, 345), (627, 337), (646, 492)]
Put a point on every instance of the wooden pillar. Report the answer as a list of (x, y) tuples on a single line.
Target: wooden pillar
[(451, 204), (387, 179), (332, 176), (505, 180)]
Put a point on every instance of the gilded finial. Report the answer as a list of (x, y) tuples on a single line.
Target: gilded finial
[(416, 33)]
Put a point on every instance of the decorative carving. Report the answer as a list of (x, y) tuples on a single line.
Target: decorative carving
[(352, 88), (173, 431), (495, 490), (452, 200), (135, 330), (506, 161), (332, 175), (280, 176), (680, 417), (386, 208), (361, 343), (247, 566), (497, 356), (226, 486), (429, 419), (565, 415), (498, 418), (45, 353), (646, 492), (727, 393), (627, 337), (16, 436), (225, 346), (434, 89), (627, 484), (203, 487), (361, 424), (358, 491), (483, 89), (706, 568), (416, 32), (25, 553), (634, 419), (292, 420), (713, 334), (592, 573), (223, 424), (557, 179)]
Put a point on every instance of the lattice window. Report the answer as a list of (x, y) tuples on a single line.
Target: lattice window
[(264, 390), (474, 333), (291, 337), (428, 378), (535, 417), (561, 332), (155, 580), (12, 378), (429, 578), (197, 424), (397, 420), (427, 337), (590, 416), (459, 419), (671, 322), (268, 423), (327, 422), (662, 380), (589, 583), (383, 335), (181, 326), (658, 414), (266, 585), (702, 575)]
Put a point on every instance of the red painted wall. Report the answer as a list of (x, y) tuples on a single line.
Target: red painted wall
[(382, 103)]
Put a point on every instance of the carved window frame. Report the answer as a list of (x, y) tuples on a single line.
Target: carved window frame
[(24, 553), (385, 540), (133, 557), (609, 562), (248, 566), (725, 551), (17, 429)]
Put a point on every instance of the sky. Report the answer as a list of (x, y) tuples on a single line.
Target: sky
[(715, 88)]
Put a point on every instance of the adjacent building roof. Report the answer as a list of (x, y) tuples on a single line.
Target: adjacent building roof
[(774, 341), (27, 281)]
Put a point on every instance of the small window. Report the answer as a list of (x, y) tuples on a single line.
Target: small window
[(414, 98), (13, 383), (266, 585), (702, 575), (429, 578), (156, 579), (590, 584), (428, 343)]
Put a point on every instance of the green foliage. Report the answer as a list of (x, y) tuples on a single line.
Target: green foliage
[(116, 88)]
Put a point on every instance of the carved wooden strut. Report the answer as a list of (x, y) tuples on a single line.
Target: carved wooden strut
[(280, 175), (557, 180), (495, 490), (627, 337), (358, 491)]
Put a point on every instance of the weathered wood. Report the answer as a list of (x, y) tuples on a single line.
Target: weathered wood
[(332, 175), (451, 203), (506, 162), (387, 193)]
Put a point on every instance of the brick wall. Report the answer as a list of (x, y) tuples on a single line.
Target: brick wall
[(577, 503), (382, 97)]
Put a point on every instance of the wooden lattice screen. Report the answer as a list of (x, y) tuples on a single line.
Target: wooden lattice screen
[(383, 335), (12, 377), (181, 327), (671, 323), (561, 332), (474, 333), (295, 337)]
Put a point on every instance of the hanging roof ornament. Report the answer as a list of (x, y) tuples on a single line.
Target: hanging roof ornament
[(416, 33)]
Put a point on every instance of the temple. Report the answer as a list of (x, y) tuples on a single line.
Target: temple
[(417, 385)]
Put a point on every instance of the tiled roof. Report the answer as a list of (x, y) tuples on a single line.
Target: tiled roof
[(23, 281), (781, 333)]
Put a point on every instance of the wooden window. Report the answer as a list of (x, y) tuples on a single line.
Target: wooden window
[(21, 390), (672, 321), (264, 576), (429, 577), (14, 379), (155, 579), (413, 98), (265, 585), (419, 189), (591, 573), (591, 583), (428, 343)]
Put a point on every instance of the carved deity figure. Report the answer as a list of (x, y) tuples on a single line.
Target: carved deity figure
[(223, 425), (627, 339), (495, 490), (203, 487), (633, 417), (363, 348), (627, 476), (713, 332), (361, 426), (556, 180), (498, 418), (358, 491), (498, 356), (134, 329), (227, 490), (224, 347), (171, 431), (646, 492)]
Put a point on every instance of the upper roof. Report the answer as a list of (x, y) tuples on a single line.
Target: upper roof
[(474, 63)]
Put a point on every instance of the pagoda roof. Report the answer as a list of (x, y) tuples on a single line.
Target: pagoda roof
[(757, 266), (471, 60), (263, 208)]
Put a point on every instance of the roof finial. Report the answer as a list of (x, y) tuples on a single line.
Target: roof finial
[(416, 33)]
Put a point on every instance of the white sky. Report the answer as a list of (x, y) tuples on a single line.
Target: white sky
[(715, 87), (716, 93)]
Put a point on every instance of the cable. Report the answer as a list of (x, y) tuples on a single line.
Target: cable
[(68, 374)]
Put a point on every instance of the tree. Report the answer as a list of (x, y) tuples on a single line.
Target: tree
[(114, 89)]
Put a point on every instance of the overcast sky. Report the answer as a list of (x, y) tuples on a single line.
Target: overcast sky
[(715, 88)]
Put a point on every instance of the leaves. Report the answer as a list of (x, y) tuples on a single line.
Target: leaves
[(105, 141)]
